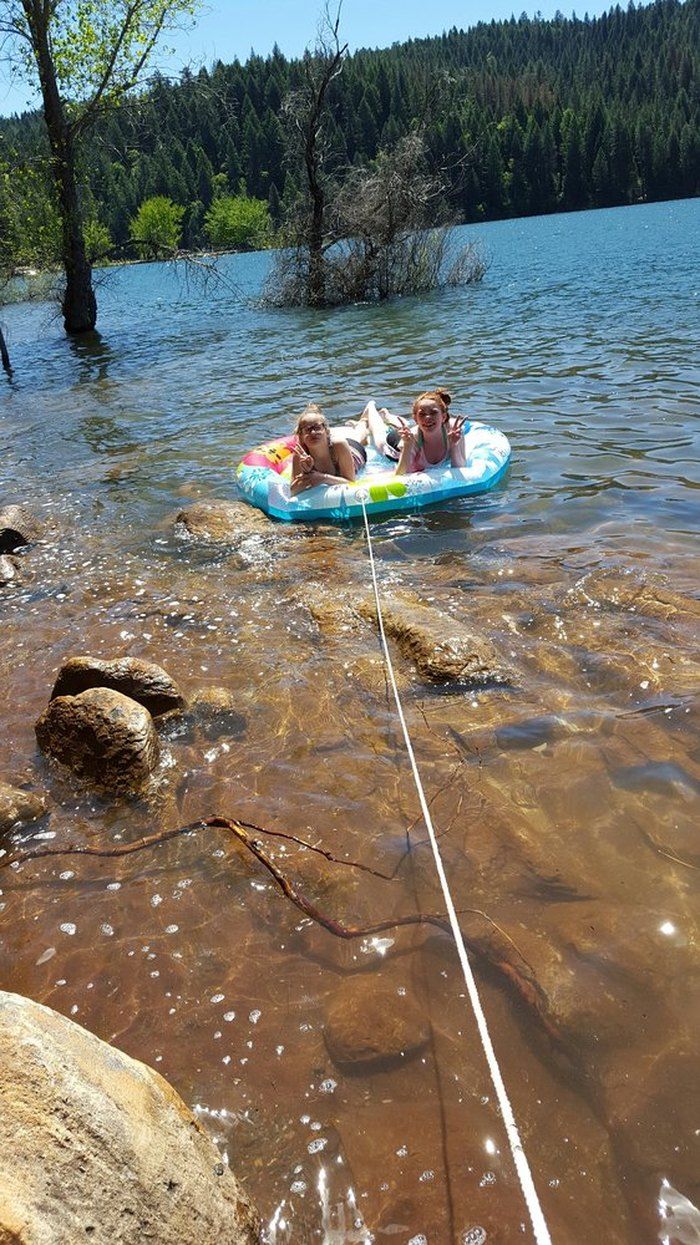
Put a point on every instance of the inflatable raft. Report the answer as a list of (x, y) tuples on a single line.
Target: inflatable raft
[(265, 473)]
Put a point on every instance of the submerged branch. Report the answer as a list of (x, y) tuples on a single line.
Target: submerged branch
[(524, 982)]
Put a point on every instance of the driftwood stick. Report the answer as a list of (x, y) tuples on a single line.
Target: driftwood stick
[(524, 982), (313, 847), (162, 836)]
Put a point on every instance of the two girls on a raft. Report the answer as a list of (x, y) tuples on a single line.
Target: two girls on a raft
[(323, 456)]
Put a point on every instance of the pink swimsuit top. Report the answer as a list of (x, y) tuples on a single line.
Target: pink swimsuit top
[(419, 462)]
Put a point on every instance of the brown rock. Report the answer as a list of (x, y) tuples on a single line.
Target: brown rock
[(659, 1141), (441, 648), (19, 807), (372, 1025), (221, 522), (101, 735), (143, 681), (97, 1146), (333, 613), (9, 570), (217, 710), (616, 590), (18, 527)]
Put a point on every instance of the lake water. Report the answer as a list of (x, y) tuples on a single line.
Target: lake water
[(565, 799)]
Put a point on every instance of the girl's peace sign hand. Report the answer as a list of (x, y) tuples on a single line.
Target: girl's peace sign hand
[(305, 461), (408, 436), (456, 430)]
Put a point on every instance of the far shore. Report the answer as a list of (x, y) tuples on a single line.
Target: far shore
[(25, 283)]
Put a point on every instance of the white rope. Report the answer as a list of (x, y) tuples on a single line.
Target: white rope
[(527, 1184)]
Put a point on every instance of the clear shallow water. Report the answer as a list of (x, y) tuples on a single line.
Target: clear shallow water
[(566, 800)]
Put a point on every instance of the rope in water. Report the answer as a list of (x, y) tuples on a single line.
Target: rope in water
[(527, 1184)]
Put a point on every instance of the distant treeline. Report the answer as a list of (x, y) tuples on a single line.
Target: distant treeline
[(523, 116)]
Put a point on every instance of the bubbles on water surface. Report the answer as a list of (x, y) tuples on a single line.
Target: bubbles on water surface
[(473, 1236)]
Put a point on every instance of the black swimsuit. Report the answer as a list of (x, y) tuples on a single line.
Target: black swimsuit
[(359, 453)]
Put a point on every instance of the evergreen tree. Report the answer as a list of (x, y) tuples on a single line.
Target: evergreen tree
[(532, 116)]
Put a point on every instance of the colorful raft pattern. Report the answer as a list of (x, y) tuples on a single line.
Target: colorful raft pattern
[(264, 477)]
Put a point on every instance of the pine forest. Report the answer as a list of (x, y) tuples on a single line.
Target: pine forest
[(522, 117)]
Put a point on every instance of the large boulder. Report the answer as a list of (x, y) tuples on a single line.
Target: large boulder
[(98, 1147), (18, 527), (19, 808), (143, 681), (101, 735), (372, 1026), (441, 648)]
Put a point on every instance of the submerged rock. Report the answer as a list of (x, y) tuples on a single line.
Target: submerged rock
[(142, 681), (18, 527), (622, 590), (216, 708), (441, 648), (221, 522), (334, 613), (9, 570), (103, 736), (19, 807), (97, 1146), (370, 1025), (659, 1141)]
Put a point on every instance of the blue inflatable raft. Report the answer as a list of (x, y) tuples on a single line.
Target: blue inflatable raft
[(264, 477)]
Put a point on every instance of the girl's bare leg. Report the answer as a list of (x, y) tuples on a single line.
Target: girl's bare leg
[(377, 425)]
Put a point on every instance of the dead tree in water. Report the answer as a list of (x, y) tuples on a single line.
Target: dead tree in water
[(306, 116), (359, 234), (385, 233)]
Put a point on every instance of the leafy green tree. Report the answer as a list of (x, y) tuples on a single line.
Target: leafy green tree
[(98, 240), (237, 222), (157, 227), (86, 56), (30, 228)]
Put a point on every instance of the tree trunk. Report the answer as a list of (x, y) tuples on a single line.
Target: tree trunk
[(4, 356), (317, 284), (79, 304)]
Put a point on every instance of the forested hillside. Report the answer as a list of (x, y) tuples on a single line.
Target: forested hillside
[(524, 116)]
